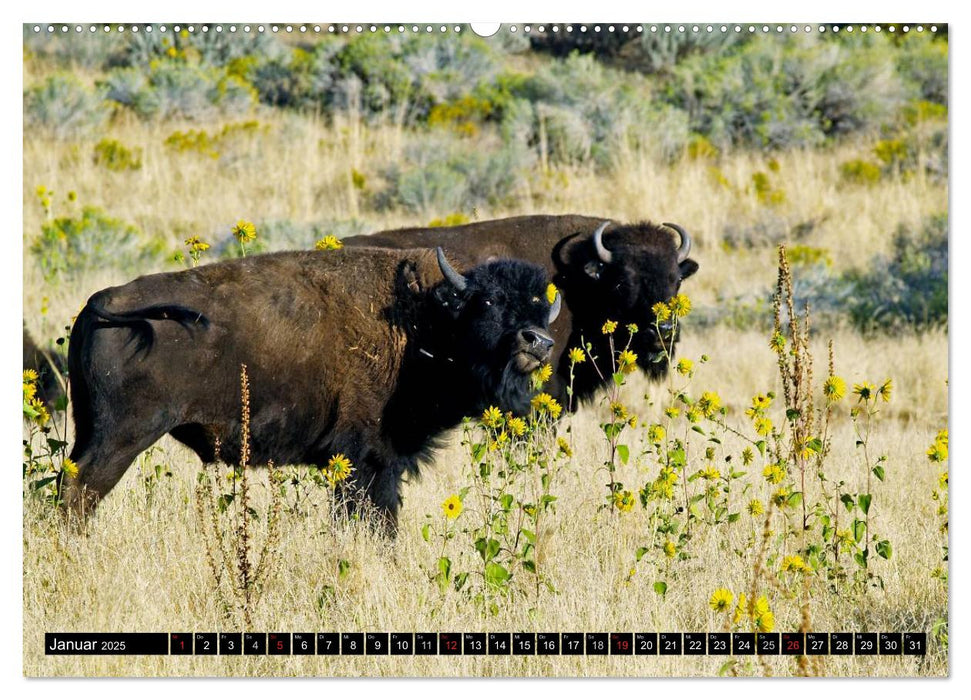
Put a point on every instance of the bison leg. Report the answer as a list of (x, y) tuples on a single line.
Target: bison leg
[(376, 487), (101, 464)]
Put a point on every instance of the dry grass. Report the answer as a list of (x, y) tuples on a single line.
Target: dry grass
[(142, 567)]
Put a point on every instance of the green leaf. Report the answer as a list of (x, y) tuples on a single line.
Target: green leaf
[(624, 453), (343, 566), (816, 445), (859, 530), (884, 549), (792, 413), (848, 501), (732, 517), (761, 445), (795, 498), (41, 483), (478, 451), (445, 567), (660, 587), (639, 554), (529, 535), (726, 667), (496, 574), (619, 378), (506, 501), (698, 429), (56, 445), (530, 566), (61, 403), (426, 532), (864, 500), (878, 472), (460, 580)]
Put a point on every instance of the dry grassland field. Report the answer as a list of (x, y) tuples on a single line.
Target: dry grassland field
[(761, 486)]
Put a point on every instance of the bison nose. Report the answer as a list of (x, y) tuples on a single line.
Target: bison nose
[(536, 341), (666, 328)]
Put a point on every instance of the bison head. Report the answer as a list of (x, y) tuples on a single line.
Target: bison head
[(498, 315), (619, 273)]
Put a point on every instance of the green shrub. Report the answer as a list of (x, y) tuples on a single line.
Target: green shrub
[(860, 172), (437, 175), (114, 155), (907, 289), (74, 244), (172, 88), (63, 108)]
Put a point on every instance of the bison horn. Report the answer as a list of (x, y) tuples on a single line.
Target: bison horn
[(685, 247), (555, 308), (602, 253), (454, 278)]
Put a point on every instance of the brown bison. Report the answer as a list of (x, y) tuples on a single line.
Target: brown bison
[(369, 353), (605, 270)]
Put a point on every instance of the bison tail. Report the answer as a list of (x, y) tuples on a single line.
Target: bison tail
[(138, 320)]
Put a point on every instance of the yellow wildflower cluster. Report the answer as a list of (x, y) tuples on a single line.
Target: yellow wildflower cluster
[(774, 473), (632, 328), (244, 231), (834, 389), (795, 563), (329, 243), (672, 411), (709, 403), (577, 356), (544, 403), (196, 245), (763, 425), (564, 447), (338, 469), (543, 374), (937, 452), (491, 417), (685, 367), (721, 600), (34, 408), (69, 467), (499, 442), (623, 501), (709, 473), (755, 507), (777, 342), (669, 549), (663, 485), (618, 410), (680, 305), (517, 426), (781, 497), (760, 403), (661, 311), (656, 434), (627, 361), (609, 327), (452, 507)]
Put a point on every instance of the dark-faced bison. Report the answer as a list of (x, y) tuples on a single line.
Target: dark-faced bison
[(369, 353), (605, 270)]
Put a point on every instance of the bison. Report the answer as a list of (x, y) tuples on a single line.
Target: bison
[(369, 353), (605, 270)]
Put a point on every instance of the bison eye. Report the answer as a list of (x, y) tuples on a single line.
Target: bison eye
[(535, 300), (488, 302)]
